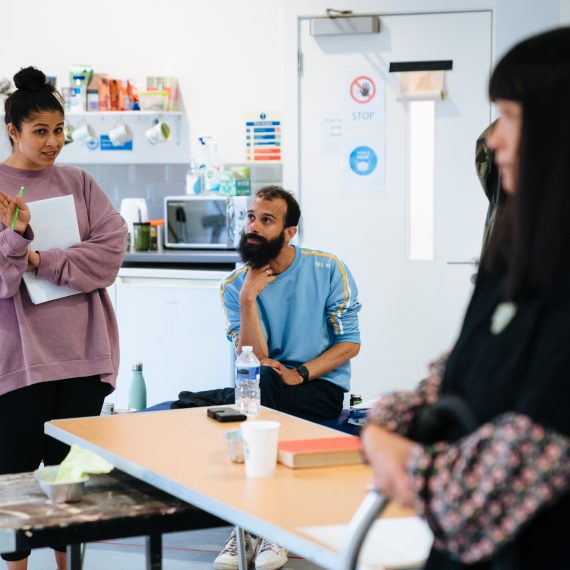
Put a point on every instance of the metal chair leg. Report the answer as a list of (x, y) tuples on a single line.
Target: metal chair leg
[(242, 560), (368, 511)]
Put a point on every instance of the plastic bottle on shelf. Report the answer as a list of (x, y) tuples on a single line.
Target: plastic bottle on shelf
[(137, 391), (78, 94), (193, 180), (246, 377), (211, 172)]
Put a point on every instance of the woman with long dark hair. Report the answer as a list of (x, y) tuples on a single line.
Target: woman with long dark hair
[(58, 359), (499, 497)]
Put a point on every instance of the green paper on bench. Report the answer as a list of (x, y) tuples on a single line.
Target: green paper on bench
[(80, 462)]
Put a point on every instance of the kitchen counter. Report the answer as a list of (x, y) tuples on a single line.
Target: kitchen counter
[(207, 258)]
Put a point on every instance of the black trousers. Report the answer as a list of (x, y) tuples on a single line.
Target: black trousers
[(316, 400), (23, 412)]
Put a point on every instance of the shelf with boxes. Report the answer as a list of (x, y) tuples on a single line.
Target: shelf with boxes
[(111, 120)]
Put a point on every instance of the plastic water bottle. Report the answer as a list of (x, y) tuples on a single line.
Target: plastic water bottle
[(193, 180), (137, 391), (248, 395)]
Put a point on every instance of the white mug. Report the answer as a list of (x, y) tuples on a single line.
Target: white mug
[(84, 134), (68, 133), (120, 135), (160, 132), (260, 447)]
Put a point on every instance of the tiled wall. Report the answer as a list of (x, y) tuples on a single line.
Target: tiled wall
[(155, 181)]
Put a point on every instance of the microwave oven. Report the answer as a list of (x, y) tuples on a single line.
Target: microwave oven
[(204, 221)]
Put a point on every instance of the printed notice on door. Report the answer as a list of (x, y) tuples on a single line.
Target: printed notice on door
[(363, 130), (331, 133)]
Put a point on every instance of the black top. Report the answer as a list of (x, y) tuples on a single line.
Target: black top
[(525, 369)]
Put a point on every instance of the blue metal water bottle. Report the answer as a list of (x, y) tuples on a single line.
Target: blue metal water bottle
[(137, 391)]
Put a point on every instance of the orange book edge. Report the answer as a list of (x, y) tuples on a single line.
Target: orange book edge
[(321, 445)]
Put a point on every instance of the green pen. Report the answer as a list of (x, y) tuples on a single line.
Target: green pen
[(17, 210)]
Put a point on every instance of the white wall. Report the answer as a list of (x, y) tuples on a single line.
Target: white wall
[(231, 56), (565, 12), (512, 21), (227, 54)]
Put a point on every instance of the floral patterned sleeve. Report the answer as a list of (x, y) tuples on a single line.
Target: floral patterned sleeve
[(396, 411), (473, 509)]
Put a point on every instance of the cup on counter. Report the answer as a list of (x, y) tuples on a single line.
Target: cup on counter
[(121, 134), (159, 132), (235, 445), (141, 236), (68, 134), (260, 447), (84, 134), (156, 234)]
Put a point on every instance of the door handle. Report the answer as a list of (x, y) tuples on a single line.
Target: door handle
[(474, 262)]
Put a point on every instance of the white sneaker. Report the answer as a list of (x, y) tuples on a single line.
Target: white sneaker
[(227, 559), (269, 556)]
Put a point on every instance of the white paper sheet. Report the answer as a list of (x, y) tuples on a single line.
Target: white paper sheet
[(54, 222), (390, 543)]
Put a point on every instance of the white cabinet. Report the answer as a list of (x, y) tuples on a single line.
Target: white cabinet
[(172, 321)]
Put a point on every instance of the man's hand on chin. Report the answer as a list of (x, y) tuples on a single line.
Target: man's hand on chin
[(288, 375), (255, 282)]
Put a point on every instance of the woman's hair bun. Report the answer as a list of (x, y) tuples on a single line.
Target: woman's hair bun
[(30, 78)]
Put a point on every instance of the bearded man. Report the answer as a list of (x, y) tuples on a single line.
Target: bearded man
[(298, 309)]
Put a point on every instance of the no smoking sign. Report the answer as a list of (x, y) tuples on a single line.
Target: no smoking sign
[(363, 89)]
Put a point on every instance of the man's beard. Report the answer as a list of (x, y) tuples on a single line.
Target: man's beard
[(262, 251)]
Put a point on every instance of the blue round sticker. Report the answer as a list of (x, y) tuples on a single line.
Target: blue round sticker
[(363, 160), (92, 144)]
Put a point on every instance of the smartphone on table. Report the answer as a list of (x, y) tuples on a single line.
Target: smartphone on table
[(226, 414)]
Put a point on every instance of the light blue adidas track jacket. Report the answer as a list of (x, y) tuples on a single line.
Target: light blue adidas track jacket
[(306, 310)]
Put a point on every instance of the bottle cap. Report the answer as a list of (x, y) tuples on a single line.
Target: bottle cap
[(247, 348), (137, 366)]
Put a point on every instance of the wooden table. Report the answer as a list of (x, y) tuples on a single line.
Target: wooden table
[(113, 506), (183, 453)]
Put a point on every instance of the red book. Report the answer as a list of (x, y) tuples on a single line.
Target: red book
[(324, 452)]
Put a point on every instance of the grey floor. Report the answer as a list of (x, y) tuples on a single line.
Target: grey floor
[(181, 550)]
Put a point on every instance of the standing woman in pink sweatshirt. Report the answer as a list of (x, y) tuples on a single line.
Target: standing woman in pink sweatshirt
[(58, 359)]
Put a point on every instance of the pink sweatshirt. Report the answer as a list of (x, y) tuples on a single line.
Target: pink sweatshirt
[(71, 337)]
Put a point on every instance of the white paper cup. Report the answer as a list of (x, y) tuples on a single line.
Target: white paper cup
[(84, 134), (260, 447), (160, 132), (121, 135)]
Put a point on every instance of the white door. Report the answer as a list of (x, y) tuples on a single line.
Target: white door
[(411, 309), (172, 321)]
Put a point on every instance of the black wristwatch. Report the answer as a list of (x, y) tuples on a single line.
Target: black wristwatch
[(303, 372)]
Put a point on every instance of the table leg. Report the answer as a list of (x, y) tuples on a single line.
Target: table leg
[(74, 558), (242, 560), (154, 552)]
